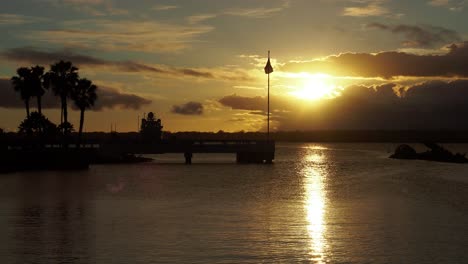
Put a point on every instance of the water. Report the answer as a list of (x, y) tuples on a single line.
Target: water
[(319, 203)]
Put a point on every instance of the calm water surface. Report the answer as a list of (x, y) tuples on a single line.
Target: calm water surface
[(319, 203)]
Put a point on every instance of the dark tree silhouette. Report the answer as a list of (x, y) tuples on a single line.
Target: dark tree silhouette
[(83, 95), (37, 84), (66, 128), (62, 77), (21, 84), (37, 124)]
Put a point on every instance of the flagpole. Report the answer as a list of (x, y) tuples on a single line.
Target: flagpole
[(268, 126)]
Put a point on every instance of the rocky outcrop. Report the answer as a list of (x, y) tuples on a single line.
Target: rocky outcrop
[(436, 153), (404, 151)]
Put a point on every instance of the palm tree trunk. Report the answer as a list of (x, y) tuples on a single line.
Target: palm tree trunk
[(65, 112), (39, 104), (26, 102), (64, 115), (80, 132)]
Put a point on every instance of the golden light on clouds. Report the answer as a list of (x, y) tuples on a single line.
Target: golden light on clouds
[(175, 53), (316, 87)]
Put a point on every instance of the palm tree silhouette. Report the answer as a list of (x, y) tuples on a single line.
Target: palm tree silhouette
[(37, 84), (21, 84), (83, 95), (61, 78)]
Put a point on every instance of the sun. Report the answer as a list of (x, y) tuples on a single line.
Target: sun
[(316, 87)]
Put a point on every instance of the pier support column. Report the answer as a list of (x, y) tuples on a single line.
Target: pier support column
[(188, 157), (242, 157)]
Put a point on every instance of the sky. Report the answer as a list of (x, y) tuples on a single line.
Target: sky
[(198, 65)]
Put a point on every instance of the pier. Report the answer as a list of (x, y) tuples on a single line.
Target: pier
[(246, 151)]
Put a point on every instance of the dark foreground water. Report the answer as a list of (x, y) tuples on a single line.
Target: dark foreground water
[(319, 203)]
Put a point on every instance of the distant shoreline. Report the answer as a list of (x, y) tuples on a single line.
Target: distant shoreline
[(332, 136), (345, 136)]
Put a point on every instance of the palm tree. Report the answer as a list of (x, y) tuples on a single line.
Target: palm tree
[(62, 77), (37, 84), (21, 84), (83, 95)]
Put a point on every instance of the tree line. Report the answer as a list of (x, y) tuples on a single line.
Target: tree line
[(64, 81)]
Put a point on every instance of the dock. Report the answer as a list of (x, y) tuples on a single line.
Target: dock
[(246, 151)]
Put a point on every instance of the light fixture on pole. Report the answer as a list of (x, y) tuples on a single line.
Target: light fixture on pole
[(268, 70)]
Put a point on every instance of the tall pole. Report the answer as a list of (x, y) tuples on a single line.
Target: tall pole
[(268, 125)]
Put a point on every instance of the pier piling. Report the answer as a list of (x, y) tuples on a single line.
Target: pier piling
[(188, 158)]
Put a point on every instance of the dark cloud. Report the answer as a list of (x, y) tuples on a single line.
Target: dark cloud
[(33, 56), (196, 73), (390, 64), (257, 105), (244, 103), (429, 105), (43, 57), (418, 36), (8, 97), (131, 66), (107, 98), (112, 98), (190, 108)]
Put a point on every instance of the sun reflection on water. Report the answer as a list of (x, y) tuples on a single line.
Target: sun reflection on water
[(315, 205)]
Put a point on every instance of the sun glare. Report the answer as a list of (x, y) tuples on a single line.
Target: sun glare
[(316, 87)]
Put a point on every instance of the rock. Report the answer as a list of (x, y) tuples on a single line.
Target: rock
[(436, 153), (404, 151)]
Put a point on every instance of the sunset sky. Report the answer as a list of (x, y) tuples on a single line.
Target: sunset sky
[(198, 65)]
